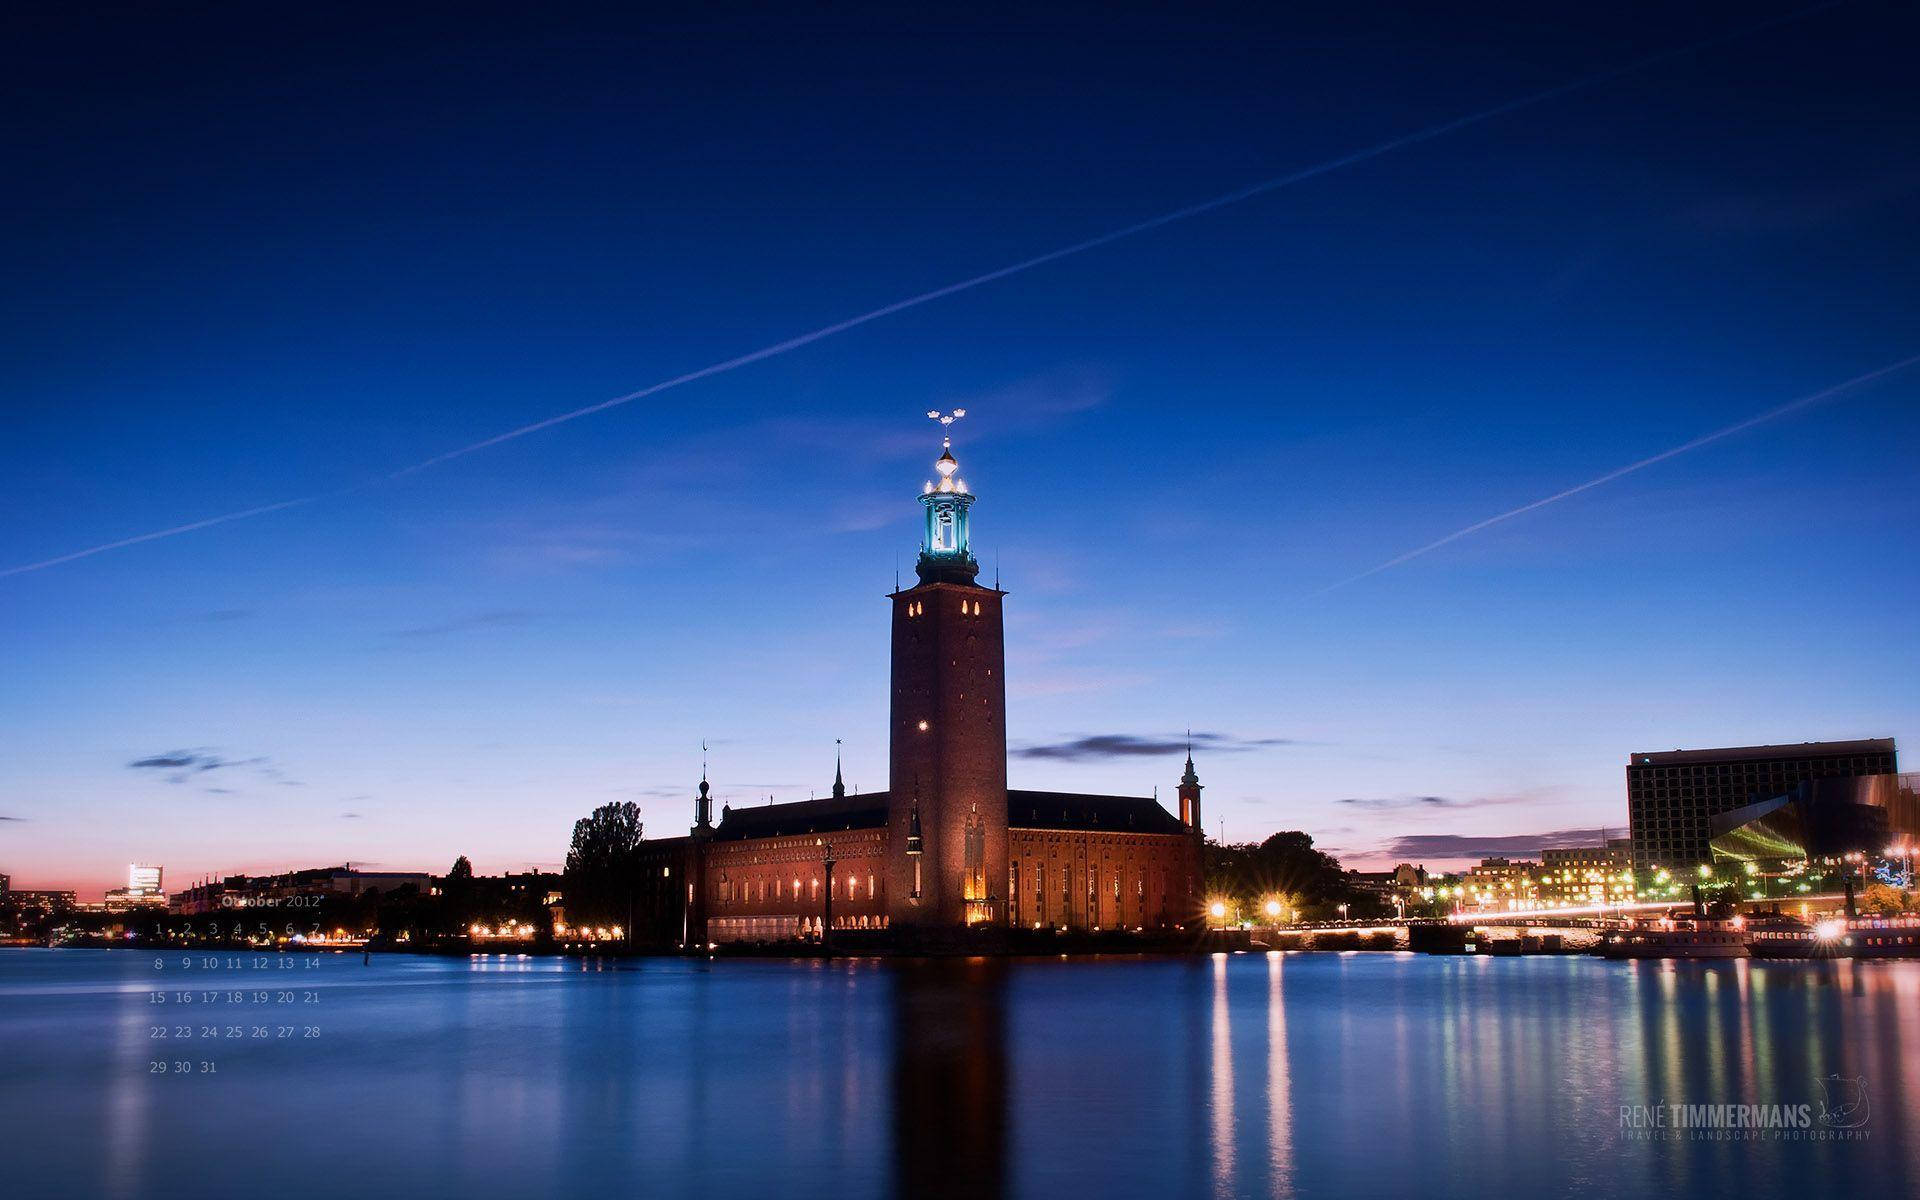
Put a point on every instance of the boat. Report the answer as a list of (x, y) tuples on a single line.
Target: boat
[(1678, 934), (1779, 936)]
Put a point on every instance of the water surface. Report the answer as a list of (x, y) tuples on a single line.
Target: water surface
[(1360, 1074)]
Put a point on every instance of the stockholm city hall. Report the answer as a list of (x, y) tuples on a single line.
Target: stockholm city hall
[(948, 847)]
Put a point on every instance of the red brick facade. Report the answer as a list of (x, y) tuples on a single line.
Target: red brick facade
[(948, 846)]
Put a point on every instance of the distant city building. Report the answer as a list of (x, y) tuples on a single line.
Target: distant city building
[(1872, 815), (6, 884), (46, 901), (1672, 796), (1501, 884), (949, 845), (243, 891), (1398, 886), (1583, 875), (143, 890)]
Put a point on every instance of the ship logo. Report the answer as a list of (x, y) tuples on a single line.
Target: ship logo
[(1844, 1104)]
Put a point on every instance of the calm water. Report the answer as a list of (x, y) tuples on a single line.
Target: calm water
[(1250, 1075)]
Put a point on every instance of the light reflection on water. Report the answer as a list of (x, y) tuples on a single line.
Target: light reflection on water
[(1247, 1075)]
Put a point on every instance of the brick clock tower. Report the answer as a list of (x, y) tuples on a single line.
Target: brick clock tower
[(947, 785)]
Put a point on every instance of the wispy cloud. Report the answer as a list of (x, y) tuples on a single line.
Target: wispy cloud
[(491, 619), (1451, 845), (12, 818), (190, 762), (180, 766), (1240, 195), (1128, 745), (1772, 414), (1401, 803)]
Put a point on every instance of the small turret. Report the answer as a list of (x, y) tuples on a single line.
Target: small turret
[(946, 554), (1190, 793), (703, 807)]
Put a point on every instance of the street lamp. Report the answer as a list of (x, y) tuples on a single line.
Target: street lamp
[(1343, 912), (1273, 910), (826, 916), (1217, 910)]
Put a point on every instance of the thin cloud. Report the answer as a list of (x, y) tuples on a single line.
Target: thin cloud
[(1127, 745), (185, 765), (482, 620), (1224, 200), (1771, 414), (175, 761), (1450, 845), (1401, 803)]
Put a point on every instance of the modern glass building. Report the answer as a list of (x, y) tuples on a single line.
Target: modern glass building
[(1822, 819), (1673, 796)]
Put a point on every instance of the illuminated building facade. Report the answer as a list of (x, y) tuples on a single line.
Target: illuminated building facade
[(1672, 797), (948, 846), (1586, 875), (1870, 815), (143, 890), (1501, 884)]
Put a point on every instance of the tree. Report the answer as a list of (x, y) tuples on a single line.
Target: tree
[(1883, 901), (462, 869), (1284, 867), (602, 865)]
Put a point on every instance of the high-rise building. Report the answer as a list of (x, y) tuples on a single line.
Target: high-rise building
[(1672, 795), (948, 726), (947, 846), (143, 889)]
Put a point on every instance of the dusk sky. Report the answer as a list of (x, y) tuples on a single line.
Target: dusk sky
[(284, 253)]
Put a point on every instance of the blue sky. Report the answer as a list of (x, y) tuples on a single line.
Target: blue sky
[(292, 256)]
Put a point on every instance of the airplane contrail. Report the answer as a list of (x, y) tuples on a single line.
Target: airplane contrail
[(794, 343), (1791, 406)]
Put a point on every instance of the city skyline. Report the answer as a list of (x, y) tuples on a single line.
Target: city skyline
[(1193, 449)]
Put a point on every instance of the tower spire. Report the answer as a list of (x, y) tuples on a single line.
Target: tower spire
[(703, 801), (946, 555), (839, 785), (1189, 792)]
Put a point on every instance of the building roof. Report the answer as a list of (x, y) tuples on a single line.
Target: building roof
[(1025, 810), (1670, 758), (831, 815), (1075, 810)]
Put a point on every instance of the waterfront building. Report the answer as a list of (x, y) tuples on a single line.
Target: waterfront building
[(246, 891), (1586, 875), (1401, 886), (1821, 819), (949, 845), (1673, 796), (143, 890), (1501, 885), (42, 901)]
